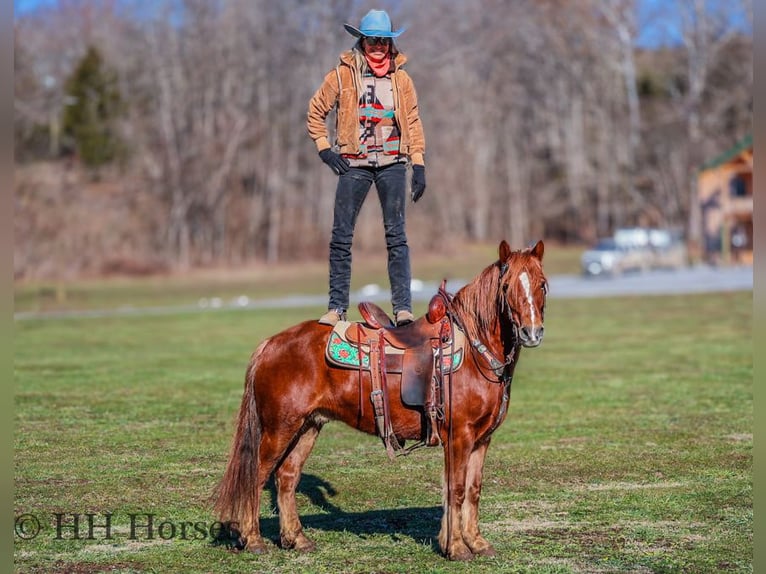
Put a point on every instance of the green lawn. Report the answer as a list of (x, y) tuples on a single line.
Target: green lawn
[(628, 448)]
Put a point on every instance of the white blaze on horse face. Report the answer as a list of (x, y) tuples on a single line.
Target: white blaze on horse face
[(524, 278)]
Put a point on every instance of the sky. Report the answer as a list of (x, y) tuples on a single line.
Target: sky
[(660, 21), (22, 6)]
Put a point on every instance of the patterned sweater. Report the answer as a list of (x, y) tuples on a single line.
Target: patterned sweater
[(378, 131)]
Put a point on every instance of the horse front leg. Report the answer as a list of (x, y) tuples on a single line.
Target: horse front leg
[(470, 510), (287, 476), (456, 456)]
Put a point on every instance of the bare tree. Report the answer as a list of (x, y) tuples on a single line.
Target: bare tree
[(542, 118)]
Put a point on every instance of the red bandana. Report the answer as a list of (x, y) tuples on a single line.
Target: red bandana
[(379, 66)]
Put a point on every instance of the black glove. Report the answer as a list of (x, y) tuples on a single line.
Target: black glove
[(418, 182), (337, 163)]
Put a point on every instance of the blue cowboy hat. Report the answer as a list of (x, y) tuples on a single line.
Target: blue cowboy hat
[(376, 23)]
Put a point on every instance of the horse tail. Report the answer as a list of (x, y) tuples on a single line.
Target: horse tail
[(236, 497)]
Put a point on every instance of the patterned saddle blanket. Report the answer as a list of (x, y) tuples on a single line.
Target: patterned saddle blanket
[(416, 361)]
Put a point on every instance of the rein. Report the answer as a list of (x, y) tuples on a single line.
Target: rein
[(500, 370), (479, 351), (503, 371)]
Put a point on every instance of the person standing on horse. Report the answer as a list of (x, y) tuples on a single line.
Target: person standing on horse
[(378, 131)]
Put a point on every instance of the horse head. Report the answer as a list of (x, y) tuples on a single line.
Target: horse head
[(523, 289)]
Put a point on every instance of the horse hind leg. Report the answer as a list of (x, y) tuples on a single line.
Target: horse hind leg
[(287, 476), (257, 448), (270, 450), (238, 495), (271, 454)]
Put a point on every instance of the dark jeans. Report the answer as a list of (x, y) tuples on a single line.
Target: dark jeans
[(349, 197)]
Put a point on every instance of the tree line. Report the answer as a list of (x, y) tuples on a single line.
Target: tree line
[(542, 119)]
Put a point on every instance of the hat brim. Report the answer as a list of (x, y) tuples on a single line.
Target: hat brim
[(357, 33)]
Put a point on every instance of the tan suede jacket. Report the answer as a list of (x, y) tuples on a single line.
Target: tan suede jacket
[(339, 88)]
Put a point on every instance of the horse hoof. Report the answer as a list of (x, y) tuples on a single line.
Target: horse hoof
[(257, 548), (301, 544), (461, 555), (304, 544), (488, 551)]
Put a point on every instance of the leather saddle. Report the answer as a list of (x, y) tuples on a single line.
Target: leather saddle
[(417, 356), (410, 350)]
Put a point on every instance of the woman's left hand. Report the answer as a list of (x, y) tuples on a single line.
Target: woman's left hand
[(418, 182)]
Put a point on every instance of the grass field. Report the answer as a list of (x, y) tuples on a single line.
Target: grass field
[(628, 448)]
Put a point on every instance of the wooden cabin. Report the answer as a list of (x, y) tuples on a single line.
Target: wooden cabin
[(725, 193)]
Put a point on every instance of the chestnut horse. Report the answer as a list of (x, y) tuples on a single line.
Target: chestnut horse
[(291, 392)]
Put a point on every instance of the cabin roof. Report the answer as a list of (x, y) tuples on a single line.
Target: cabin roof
[(730, 154)]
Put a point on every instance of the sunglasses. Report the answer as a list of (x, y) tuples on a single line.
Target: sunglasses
[(377, 41)]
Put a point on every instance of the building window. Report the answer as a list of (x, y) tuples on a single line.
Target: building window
[(738, 186)]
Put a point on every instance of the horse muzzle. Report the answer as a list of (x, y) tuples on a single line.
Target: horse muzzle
[(531, 337)]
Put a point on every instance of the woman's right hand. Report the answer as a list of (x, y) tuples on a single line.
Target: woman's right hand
[(337, 163)]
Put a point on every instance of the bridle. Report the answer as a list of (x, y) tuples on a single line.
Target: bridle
[(485, 360), (506, 307)]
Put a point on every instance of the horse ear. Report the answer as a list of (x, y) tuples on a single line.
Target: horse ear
[(504, 250), (538, 249)]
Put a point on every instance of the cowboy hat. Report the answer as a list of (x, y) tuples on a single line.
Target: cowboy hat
[(376, 23)]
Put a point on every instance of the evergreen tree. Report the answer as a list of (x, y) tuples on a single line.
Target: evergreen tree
[(93, 103)]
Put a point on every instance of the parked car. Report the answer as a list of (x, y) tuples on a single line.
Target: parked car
[(607, 257), (668, 249), (635, 249)]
